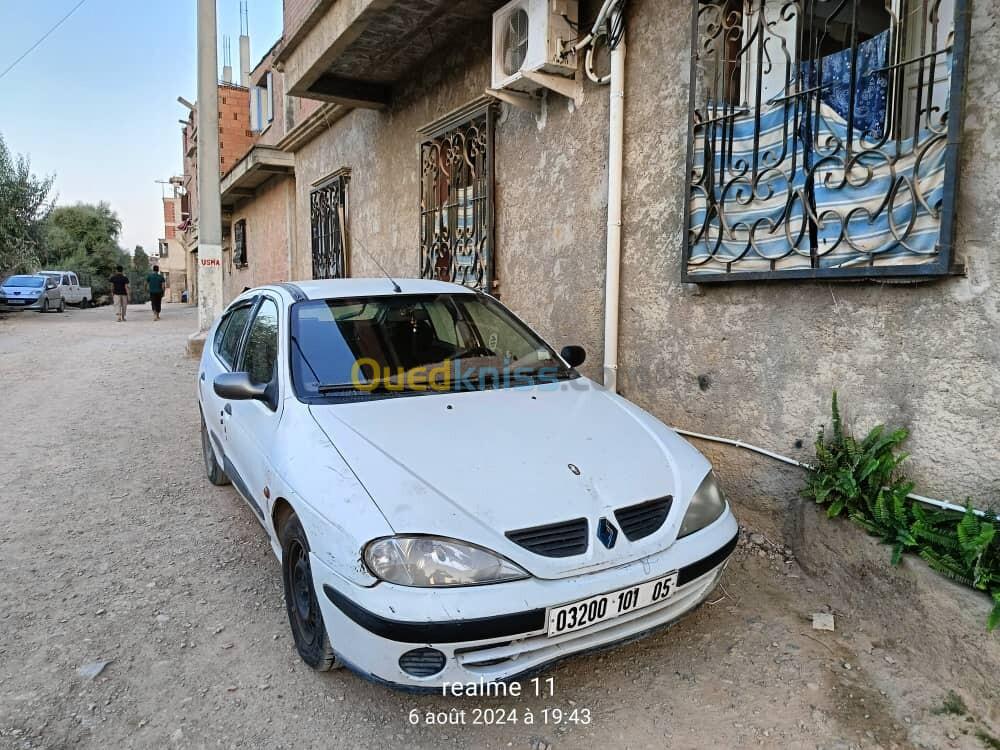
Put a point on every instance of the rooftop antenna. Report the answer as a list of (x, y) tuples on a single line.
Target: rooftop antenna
[(349, 240)]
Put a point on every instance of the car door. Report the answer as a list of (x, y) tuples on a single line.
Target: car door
[(52, 293), (252, 425), (221, 355), (72, 292)]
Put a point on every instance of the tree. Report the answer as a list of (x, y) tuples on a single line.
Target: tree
[(23, 209), (84, 238), (137, 276)]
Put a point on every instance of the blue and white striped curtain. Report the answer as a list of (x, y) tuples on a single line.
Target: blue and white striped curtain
[(875, 203)]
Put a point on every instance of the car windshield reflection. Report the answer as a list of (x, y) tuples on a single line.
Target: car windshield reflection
[(414, 344)]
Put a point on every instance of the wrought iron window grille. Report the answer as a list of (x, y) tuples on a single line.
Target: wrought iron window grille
[(823, 138), (240, 244), (456, 198), (328, 211)]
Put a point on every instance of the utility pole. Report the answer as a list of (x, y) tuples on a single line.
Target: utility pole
[(209, 200)]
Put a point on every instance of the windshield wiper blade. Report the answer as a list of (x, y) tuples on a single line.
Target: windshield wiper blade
[(380, 387), (337, 387)]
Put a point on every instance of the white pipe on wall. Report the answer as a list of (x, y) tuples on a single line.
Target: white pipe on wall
[(785, 459), (616, 149)]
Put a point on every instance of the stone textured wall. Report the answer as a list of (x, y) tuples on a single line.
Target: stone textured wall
[(754, 361), (268, 238)]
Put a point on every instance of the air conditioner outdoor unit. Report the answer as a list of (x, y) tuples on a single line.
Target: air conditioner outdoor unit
[(528, 37)]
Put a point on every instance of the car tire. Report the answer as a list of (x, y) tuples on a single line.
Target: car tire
[(84, 304), (45, 305), (216, 474), (62, 306), (304, 615)]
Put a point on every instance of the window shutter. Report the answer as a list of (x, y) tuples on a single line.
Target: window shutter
[(255, 108), (270, 97)]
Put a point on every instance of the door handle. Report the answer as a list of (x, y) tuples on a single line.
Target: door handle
[(228, 409)]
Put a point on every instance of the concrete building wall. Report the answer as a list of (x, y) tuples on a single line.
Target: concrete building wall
[(173, 265), (268, 215), (754, 361)]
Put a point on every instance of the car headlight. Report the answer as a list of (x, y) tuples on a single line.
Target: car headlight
[(706, 506), (436, 561)]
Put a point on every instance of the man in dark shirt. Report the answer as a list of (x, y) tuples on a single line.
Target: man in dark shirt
[(119, 293), (155, 281)]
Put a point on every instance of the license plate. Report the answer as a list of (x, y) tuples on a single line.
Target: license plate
[(587, 612)]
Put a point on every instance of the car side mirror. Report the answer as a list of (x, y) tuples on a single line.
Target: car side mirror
[(237, 386), (574, 355)]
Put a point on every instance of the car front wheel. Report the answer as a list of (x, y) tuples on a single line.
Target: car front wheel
[(304, 615), (216, 474), (45, 305)]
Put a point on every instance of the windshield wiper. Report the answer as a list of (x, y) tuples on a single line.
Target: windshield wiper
[(379, 386)]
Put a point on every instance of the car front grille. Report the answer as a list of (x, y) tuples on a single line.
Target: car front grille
[(563, 539), (638, 521)]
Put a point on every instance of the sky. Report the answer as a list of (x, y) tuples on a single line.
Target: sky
[(96, 103)]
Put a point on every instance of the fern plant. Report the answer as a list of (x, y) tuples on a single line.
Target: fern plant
[(863, 478), (850, 475)]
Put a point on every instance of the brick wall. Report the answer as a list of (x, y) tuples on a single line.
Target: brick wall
[(170, 218), (235, 137), (295, 13)]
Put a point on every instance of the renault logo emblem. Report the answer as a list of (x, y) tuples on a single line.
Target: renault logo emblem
[(607, 533)]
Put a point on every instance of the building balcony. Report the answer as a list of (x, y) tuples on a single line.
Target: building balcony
[(351, 52), (253, 170)]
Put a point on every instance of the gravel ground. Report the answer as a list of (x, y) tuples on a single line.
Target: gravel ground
[(114, 548)]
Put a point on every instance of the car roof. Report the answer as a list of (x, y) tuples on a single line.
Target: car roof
[(371, 287)]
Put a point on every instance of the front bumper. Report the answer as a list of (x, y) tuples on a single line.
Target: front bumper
[(497, 632), (13, 304)]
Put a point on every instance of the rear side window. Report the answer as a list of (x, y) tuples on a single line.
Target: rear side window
[(227, 338), (66, 280)]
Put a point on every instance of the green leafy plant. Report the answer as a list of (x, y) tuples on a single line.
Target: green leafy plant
[(850, 475), (864, 480), (952, 705)]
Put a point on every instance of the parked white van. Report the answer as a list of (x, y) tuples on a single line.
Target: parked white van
[(69, 286)]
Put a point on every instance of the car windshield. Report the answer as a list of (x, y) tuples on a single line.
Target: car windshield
[(34, 282), (414, 343)]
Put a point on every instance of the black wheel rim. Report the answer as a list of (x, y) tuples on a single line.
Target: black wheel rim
[(302, 604)]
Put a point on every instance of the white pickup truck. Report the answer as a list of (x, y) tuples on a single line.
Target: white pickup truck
[(69, 286)]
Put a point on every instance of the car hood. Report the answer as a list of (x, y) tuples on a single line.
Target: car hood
[(475, 465)]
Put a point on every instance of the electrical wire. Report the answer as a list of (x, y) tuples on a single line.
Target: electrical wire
[(42, 38)]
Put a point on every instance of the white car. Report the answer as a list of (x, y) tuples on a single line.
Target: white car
[(451, 502)]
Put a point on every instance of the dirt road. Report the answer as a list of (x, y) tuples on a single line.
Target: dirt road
[(114, 547)]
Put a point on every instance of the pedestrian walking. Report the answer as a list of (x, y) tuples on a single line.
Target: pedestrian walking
[(156, 281), (119, 293)]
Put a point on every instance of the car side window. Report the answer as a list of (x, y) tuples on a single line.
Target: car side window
[(73, 280), (230, 333), (65, 280), (260, 356)]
